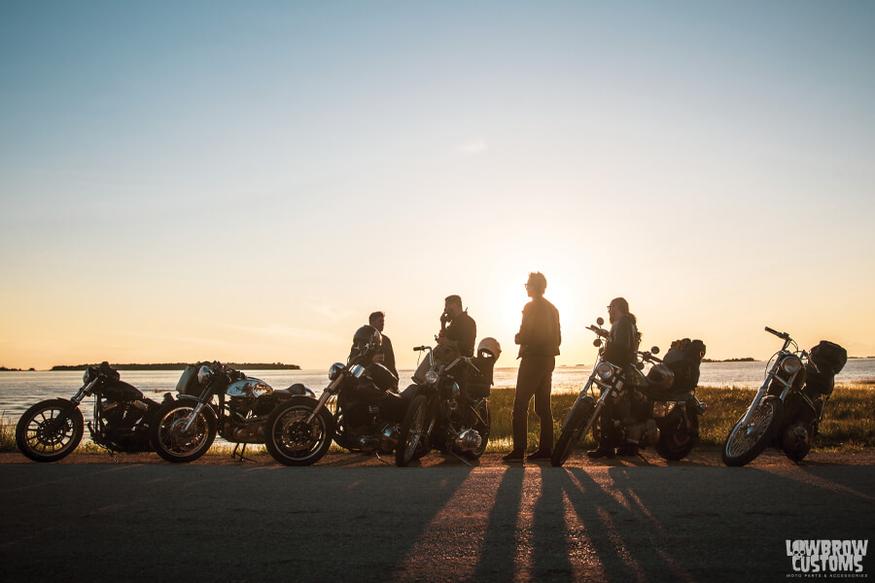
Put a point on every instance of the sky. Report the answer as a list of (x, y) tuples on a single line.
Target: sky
[(184, 181)]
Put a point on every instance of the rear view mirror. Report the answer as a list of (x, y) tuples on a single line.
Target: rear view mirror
[(654, 350), (597, 342), (599, 320)]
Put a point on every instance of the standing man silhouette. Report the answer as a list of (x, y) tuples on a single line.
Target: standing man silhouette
[(539, 339), (378, 321)]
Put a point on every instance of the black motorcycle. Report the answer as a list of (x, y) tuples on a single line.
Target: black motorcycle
[(662, 408), (449, 411), (213, 398), (52, 429), (360, 410), (788, 407)]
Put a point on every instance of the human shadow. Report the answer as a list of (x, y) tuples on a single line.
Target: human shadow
[(497, 558)]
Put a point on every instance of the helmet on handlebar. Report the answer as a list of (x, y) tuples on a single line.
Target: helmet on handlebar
[(490, 346)]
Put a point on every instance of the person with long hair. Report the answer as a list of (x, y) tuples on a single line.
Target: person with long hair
[(620, 349)]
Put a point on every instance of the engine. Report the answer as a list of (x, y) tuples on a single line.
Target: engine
[(468, 440)]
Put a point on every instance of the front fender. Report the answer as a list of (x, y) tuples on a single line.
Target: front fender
[(208, 407)]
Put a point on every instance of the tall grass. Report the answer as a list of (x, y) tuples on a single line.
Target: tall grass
[(7, 433), (848, 417)]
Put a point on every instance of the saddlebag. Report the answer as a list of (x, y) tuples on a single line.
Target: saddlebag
[(478, 385), (188, 384), (828, 357), (684, 359)]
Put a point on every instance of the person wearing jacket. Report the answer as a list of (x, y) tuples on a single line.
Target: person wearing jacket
[(539, 338), (620, 350)]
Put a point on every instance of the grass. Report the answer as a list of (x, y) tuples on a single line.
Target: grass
[(848, 421), (7, 433)]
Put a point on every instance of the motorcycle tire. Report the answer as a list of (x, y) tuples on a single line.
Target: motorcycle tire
[(29, 438), (288, 421), (416, 420), (676, 439), (579, 419), (173, 412), (771, 406)]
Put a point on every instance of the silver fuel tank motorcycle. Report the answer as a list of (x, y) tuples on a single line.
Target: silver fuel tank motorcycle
[(214, 398)]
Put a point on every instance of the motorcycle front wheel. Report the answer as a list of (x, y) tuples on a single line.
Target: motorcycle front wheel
[(745, 442), (412, 441), (579, 419), (291, 440), (50, 430), (170, 438)]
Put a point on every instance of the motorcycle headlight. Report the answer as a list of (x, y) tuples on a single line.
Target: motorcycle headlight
[(88, 376), (205, 375), (604, 371), (431, 377), (791, 365), (335, 370)]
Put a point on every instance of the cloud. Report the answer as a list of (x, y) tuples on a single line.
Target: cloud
[(473, 148)]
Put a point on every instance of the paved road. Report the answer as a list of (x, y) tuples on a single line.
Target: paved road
[(257, 522)]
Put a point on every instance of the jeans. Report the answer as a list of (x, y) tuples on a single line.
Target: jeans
[(534, 379)]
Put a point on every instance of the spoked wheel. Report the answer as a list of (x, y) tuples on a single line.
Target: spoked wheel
[(49, 430), (177, 441), (292, 441), (746, 441), (578, 421), (412, 442)]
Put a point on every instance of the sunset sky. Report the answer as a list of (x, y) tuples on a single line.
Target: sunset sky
[(247, 181)]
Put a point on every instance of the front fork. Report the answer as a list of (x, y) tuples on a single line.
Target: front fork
[(773, 375)]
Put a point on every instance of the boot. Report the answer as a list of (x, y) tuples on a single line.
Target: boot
[(516, 455), (603, 450)]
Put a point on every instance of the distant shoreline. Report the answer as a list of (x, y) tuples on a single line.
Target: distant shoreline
[(742, 359), (179, 366)]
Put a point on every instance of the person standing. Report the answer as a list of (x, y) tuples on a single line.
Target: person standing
[(539, 339), (378, 321)]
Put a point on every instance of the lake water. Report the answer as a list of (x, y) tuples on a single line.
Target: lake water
[(19, 390)]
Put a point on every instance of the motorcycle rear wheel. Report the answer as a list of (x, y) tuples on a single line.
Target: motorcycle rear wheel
[(168, 439), (412, 441), (676, 442), (291, 441), (579, 419), (743, 445), (50, 430)]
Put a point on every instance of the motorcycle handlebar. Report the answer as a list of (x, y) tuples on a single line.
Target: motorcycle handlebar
[(420, 348), (782, 335)]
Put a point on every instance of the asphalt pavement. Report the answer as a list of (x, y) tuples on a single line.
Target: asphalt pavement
[(347, 521)]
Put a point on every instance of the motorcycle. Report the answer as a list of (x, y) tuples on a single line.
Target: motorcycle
[(449, 410), (359, 410), (50, 430), (788, 407), (664, 413), (185, 427)]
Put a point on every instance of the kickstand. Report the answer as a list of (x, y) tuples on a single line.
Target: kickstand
[(379, 457), (240, 456), (461, 459)]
